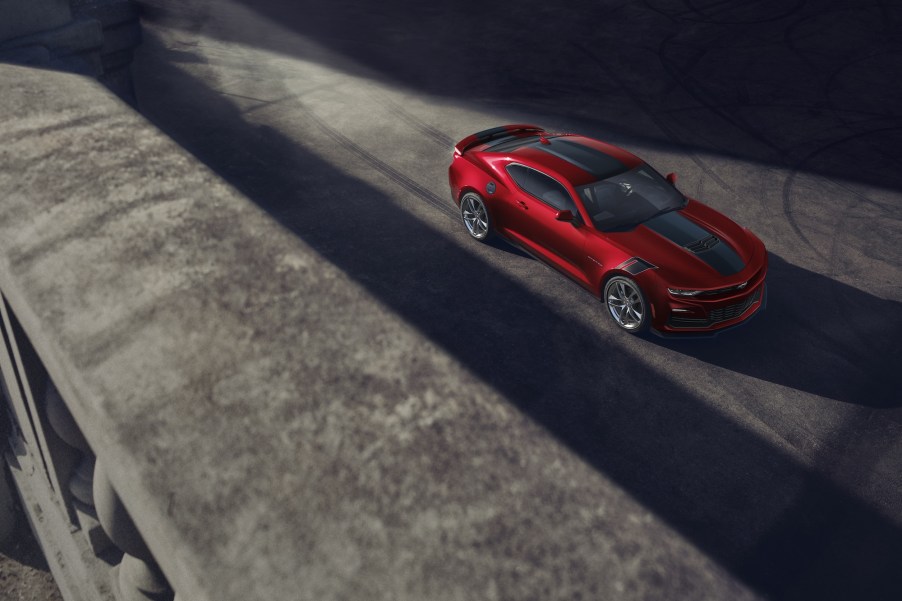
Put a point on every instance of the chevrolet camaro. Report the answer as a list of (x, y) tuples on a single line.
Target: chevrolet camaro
[(606, 219)]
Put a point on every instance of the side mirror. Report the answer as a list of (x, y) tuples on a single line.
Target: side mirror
[(671, 178), (564, 215)]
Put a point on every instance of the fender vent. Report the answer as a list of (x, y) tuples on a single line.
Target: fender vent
[(702, 245), (635, 265)]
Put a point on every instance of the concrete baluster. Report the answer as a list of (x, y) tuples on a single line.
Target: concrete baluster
[(137, 577), (142, 581), (81, 482)]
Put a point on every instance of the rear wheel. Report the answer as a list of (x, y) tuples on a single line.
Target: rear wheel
[(476, 216), (626, 304)]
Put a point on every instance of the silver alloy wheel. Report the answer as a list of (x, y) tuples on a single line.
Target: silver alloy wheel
[(475, 216), (625, 303)]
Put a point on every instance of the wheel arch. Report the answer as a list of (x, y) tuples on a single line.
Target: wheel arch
[(465, 190), (487, 201), (612, 273)]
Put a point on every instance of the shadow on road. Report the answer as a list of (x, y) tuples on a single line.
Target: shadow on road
[(817, 336), (798, 84), (776, 524)]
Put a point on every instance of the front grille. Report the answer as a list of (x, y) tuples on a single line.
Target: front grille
[(718, 315), (703, 244), (688, 322)]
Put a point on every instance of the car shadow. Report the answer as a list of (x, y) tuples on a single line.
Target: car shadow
[(779, 525), (817, 335)]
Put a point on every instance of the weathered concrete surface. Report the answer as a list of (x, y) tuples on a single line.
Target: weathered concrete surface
[(775, 449), (275, 430)]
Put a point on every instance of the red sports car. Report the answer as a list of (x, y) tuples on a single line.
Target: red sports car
[(606, 219)]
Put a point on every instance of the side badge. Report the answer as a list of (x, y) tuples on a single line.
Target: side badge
[(490, 187)]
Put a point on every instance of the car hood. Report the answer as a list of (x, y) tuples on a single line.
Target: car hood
[(694, 246)]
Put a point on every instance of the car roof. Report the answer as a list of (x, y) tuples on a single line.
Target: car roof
[(579, 159)]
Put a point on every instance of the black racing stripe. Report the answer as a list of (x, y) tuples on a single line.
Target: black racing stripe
[(510, 142), (676, 228), (723, 259), (683, 232), (592, 161)]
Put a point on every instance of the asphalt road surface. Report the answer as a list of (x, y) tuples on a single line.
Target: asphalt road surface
[(776, 448)]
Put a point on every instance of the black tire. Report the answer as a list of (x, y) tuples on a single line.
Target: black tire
[(626, 304), (475, 216)]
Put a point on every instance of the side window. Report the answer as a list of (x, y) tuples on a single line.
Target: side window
[(543, 187)]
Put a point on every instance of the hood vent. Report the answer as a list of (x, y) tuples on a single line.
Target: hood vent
[(702, 245)]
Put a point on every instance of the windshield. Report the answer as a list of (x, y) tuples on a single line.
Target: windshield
[(627, 199)]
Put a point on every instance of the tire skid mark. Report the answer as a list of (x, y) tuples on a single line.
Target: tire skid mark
[(662, 125), (788, 213), (831, 81), (691, 9), (426, 129), (790, 37), (692, 86), (381, 166), (688, 65), (867, 116), (836, 299), (788, 183), (864, 350), (887, 15)]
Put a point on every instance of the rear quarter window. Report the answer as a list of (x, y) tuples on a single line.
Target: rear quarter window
[(544, 187)]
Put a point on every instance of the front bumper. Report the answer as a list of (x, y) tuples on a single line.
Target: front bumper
[(706, 316)]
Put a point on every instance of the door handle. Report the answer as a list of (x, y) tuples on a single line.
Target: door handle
[(523, 205)]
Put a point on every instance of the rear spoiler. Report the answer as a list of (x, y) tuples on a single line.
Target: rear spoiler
[(496, 132)]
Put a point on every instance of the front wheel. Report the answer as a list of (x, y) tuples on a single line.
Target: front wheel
[(476, 216), (626, 304)]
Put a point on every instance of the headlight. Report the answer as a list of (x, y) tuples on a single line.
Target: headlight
[(679, 292)]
